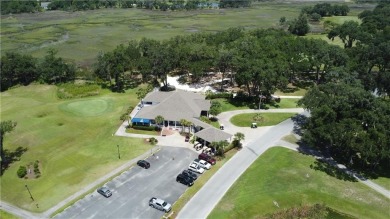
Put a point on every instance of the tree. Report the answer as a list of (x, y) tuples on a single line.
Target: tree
[(17, 69), (348, 32), (238, 137), (258, 117), (159, 121), (348, 123), (299, 26), (215, 108), (5, 127), (55, 70)]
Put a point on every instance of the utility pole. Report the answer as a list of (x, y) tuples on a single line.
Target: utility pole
[(119, 154)]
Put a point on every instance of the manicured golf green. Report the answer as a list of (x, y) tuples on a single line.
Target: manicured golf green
[(284, 176), (72, 139), (269, 119)]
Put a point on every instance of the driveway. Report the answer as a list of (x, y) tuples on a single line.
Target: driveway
[(134, 187)]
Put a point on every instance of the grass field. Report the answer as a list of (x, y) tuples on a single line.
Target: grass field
[(269, 119), (6, 215), (284, 104), (72, 139), (291, 182)]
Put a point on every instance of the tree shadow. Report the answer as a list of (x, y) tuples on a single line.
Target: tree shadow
[(328, 166), (10, 157), (299, 120)]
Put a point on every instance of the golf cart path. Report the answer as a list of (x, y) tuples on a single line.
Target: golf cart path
[(216, 187)]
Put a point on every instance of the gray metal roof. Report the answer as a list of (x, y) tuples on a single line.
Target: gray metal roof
[(212, 134), (174, 105), (198, 122)]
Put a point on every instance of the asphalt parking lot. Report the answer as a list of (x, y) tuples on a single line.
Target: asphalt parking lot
[(133, 189)]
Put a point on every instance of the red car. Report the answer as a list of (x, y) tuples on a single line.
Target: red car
[(207, 158)]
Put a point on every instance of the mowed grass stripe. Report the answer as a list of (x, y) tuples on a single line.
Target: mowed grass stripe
[(285, 176)]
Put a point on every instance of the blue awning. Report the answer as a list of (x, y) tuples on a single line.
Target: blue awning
[(140, 120)]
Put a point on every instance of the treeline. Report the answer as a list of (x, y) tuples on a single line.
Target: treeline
[(19, 6), (326, 10), (18, 69), (145, 4)]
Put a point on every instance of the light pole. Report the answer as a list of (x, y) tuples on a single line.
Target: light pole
[(29, 192), (119, 154)]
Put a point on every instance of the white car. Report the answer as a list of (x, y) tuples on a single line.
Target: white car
[(202, 163), (195, 168), (160, 204)]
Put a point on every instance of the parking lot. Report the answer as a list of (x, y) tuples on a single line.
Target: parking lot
[(133, 189)]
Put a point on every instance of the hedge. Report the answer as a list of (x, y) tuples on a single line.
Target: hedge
[(147, 128), (219, 95)]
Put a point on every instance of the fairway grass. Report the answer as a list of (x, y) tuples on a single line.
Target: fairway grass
[(285, 176), (72, 139), (269, 119)]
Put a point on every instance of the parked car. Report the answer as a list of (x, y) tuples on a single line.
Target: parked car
[(185, 179), (190, 174), (160, 204), (144, 164), (187, 139), (195, 168), (104, 191), (207, 158), (203, 164)]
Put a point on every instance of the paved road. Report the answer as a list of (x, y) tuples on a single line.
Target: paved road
[(134, 187), (217, 186)]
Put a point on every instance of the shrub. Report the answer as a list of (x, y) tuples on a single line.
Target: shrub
[(153, 141), (22, 171), (211, 96), (71, 90), (146, 128)]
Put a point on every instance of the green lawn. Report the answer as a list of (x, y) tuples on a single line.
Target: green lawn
[(284, 103), (72, 139), (269, 119), (6, 215), (231, 105), (290, 181), (382, 181)]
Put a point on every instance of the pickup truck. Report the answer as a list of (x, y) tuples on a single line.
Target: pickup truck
[(160, 204)]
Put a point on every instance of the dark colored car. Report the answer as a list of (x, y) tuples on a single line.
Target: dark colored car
[(207, 158), (104, 191), (144, 164), (187, 139), (186, 180), (190, 174)]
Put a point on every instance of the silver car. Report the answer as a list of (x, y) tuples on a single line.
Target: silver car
[(160, 204)]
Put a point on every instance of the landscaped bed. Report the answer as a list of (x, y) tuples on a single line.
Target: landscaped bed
[(289, 182)]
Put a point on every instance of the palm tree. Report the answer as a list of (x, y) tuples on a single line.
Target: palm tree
[(183, 123), (159, 120), (258, 117), (238, 137)]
